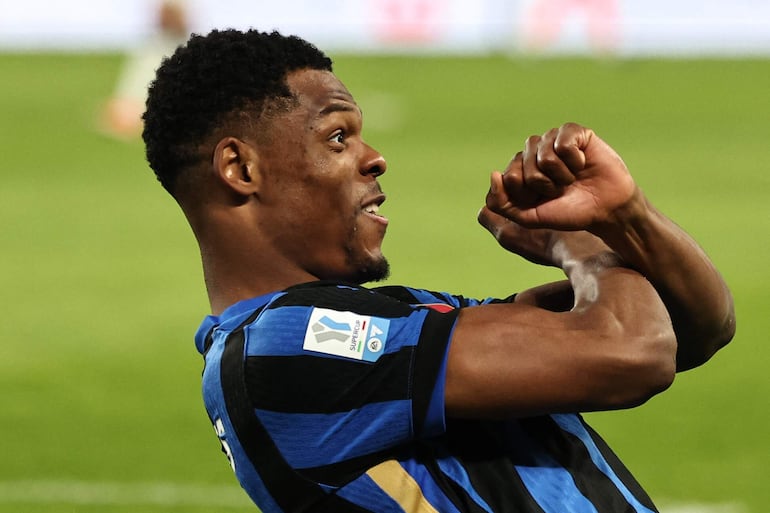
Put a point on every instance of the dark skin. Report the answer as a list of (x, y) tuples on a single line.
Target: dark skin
[(292, 203), (297, 202), (569, 179)]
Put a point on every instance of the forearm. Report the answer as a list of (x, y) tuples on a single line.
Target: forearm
[(697, 298), (581, 256), (570, 180)]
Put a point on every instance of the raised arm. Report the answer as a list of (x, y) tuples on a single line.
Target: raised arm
[(569, 179), (697, 298), (642, 298), (606, 352)]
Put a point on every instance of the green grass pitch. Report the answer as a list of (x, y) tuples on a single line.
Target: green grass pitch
[(100, 408)]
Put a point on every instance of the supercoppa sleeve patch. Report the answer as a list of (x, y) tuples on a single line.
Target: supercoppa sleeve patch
[(346, 334)]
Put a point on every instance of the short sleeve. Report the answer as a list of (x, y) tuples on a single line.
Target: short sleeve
[(339, 373)]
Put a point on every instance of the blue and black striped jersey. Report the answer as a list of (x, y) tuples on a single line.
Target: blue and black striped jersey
[(329, 397)]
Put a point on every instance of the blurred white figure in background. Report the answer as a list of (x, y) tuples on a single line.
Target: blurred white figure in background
[(121, 116)]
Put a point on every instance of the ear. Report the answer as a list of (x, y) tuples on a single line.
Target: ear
[(236, 164)]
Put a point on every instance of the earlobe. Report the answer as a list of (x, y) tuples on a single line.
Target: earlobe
[(235, 163)]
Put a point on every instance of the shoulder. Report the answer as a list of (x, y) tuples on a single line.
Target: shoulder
[(344, 320), (439, 301), (342, 297)]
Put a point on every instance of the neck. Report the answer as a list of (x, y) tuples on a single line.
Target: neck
[(234, 273), (238, 263)]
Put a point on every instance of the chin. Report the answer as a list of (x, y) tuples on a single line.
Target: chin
[(376, 270)]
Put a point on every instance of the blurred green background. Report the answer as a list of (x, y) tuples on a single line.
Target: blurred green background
[(102, 291)]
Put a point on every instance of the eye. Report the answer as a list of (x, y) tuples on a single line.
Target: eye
[(338, 137)]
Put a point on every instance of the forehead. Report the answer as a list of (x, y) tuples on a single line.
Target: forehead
[(320, 91)]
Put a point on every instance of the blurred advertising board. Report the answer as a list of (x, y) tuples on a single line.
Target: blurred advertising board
[(620, 27)]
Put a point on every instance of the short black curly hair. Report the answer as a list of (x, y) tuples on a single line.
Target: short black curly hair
[(207, 80)]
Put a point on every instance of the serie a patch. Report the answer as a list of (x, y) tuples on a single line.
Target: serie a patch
[(346, 334)]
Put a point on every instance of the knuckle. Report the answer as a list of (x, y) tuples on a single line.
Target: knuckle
[(551, 133), (548, 160), (516, 160), (565, 146), (532, 140)]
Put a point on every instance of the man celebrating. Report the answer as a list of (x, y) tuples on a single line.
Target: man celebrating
[(331, 397)]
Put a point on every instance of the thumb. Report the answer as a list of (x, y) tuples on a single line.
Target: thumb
[(498, 200), (491, 221)]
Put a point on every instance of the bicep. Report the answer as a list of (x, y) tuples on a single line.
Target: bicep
[(518, 359)]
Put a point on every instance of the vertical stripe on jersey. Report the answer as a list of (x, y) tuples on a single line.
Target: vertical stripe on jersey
[(430, 355), (456, 472), (554, 489), (362, 490), (572, 448), (401, 486), (438, 490), (214, 394), (488, 456), (620, 469), (292, 491), (573, 425)]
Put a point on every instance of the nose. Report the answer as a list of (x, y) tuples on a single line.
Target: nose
[(374, 163)]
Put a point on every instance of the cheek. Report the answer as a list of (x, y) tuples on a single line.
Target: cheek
[(318, 190), (321, 210)]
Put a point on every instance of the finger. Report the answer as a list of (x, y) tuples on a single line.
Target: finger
[(515, 163), (534, 179), (532, 244), (497, 198), (515, 188), (550, 163), (570, 143), (502, 228)]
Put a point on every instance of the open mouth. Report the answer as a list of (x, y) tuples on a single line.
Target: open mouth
[(373, 208)]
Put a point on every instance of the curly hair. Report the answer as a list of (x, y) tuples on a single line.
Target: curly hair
[(208, 80)]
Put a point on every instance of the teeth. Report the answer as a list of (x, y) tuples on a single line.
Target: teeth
[(372, 209)]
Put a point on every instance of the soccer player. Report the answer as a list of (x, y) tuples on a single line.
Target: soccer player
[(328, 396)]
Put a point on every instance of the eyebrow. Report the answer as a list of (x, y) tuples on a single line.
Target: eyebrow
[(339, 107)]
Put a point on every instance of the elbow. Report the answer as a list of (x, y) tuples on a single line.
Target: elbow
[(721, 336), (724, 335), (725, 330), (695, 350)]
